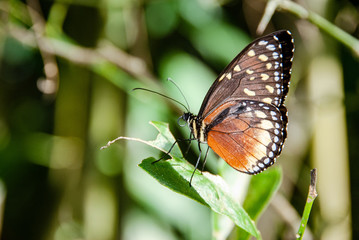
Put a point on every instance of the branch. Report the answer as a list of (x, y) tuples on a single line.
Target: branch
[(302, 13), (105, 51), (48, 86)]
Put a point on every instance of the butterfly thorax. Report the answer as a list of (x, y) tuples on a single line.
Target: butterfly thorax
[(197, 126)]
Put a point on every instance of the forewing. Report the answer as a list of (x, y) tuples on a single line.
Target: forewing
[(261, 72), (248, 135)]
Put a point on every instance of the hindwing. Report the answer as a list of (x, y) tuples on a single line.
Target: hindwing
[(248, 135)]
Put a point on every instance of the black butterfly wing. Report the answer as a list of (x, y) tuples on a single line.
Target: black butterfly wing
[(261, 72)]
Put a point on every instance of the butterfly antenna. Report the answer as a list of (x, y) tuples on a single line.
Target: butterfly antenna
[(162, 95), (187, 108)]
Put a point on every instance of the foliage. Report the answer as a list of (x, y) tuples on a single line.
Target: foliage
[(66, 73)]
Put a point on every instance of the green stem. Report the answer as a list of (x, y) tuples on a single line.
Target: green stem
[(302, 13), (334, 31), (312, 194), (215, 225)]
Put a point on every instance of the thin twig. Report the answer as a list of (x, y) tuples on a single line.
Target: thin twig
[(150, 143), (269, 11)]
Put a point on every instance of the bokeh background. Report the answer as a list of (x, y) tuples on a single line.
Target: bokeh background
[(67, 69)]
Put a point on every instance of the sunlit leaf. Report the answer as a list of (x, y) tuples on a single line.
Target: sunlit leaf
[(208, 189)]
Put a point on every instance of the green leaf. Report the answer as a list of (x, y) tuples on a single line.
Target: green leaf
[(260, 191), (219, 42), (170, 174), (161, 13), (208, 189), (165, 139)]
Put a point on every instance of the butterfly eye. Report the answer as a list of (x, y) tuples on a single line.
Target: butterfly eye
[(181, 121)]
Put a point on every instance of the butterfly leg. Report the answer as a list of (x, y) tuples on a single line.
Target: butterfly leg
[(167, 153), (205, 159), (198, 160), (189, 145)]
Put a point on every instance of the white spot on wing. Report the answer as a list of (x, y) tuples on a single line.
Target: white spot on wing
[(270, 47), (251, 53), (249, 92), (256, 169), (263, 57), (249, 71), (266, 124), (221, 78), (237, 68), (260, 114), (274, 147), (270, 88), (264, 76), (267, 100)]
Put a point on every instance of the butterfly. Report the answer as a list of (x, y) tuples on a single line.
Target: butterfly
[(242, 117)]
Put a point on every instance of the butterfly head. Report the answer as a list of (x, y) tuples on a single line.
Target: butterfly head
[(195, 124), (187, 117)]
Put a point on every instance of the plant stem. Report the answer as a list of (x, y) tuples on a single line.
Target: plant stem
[(312, 194), (302, 13), (323, 24)]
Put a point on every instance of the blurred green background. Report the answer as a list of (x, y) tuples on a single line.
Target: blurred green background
[(66, 73)]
